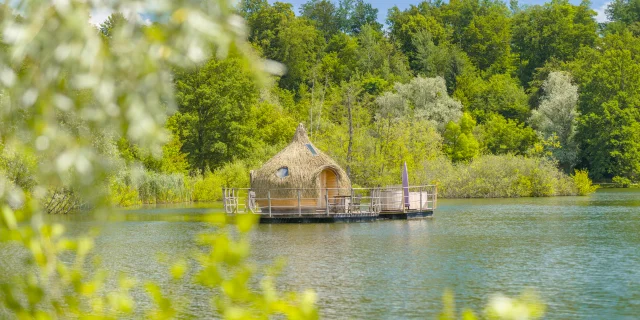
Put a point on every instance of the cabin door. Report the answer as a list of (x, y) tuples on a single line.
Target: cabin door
[(328, 185)]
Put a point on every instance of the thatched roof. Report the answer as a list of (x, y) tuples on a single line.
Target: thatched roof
[(303, 167)]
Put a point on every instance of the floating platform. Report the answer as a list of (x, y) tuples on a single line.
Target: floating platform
[(345, 218), (332, 205)]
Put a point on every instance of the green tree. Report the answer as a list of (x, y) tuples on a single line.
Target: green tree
[(609, 125), (379, 57), (483, 30), (265, 23), (214, 104), (556, 29), (406, 25), (500, 94), (354, 14), (173, 159), (625, 11), (506, 136), (298, 45), (324, 14), (341, 61), (443, 60), (459, 142), (247, 8)]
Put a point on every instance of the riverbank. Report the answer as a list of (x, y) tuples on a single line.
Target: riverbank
[(487, 176)]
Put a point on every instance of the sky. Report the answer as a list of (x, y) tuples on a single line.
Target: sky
[(383, 6)]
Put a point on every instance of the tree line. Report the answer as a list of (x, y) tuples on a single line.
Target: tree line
[(460, 79), (463, 83)]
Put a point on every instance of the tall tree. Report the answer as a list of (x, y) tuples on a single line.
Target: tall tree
[(214, 104), (354, 14), (247, 8), (609, 125), (429, 100), (459, 142), (625, 11), (377, 56), (443, 60), (265, 23), (500, 94), (482, 30), (506, 136), (299, 44), (324, 14), (558, 115), (556, 29)]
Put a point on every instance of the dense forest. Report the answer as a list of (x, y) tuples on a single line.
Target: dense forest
[(483, 98)]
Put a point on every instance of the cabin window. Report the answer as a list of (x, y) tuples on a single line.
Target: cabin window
[(312, 149), (282, 172)]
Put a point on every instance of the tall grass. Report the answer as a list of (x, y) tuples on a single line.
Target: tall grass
[(503, 176), (140, 186), (133, 187)]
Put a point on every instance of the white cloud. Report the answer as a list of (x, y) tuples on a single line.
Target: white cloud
[(602, 16), (99, 15)]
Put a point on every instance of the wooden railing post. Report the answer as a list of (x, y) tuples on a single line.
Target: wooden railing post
[(235, 201), (435, 197), (326, 201), (269, 200), (350, 206), (421, 198), (299, 207), (224, 199)]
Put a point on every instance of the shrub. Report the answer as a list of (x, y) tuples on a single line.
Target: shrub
[(583, 183), (622, 181), (122, 195), (494, 176), (207, 188)]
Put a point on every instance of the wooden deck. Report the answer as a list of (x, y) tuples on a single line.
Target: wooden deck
[(331, 206)]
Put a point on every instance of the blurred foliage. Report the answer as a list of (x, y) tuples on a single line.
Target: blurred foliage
[(526, 306), (75, 102)]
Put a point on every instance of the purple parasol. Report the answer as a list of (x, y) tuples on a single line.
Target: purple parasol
[(405, 185)]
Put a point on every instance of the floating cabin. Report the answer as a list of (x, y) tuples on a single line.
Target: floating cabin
[(299, 168), (302, 184)]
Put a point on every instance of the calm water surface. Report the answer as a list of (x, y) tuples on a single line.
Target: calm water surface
[(582, 254)]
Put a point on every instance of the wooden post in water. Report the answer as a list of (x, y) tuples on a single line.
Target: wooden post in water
[(326, 201), (299, 208), (269, 200)]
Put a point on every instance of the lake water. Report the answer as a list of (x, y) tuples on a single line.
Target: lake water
[(582, 255)]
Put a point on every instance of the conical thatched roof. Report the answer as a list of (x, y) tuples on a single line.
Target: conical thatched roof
[(303, 166)]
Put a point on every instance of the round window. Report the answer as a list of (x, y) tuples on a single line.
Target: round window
[(282, 172)]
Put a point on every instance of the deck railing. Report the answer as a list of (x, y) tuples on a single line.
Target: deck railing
[(329, 201)]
